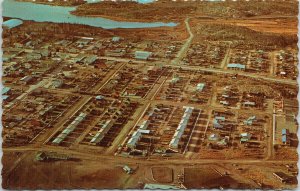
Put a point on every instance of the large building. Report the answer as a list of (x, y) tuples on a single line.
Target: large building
[(236, 66), (142, 55)]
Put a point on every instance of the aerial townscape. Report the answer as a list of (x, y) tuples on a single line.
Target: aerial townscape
[(149, 94)]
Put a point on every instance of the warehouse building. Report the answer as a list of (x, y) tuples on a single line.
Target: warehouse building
[(181, 127), (236, 66), (69, 129), (102, 132), (142, 55)]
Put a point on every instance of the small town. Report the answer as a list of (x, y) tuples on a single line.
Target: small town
[(145, 113)]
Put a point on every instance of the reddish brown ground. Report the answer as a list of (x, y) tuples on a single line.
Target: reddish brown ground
[(162, 174), (281, 26)]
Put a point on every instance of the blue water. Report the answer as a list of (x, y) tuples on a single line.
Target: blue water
[(145, 1), (139, 1), (60, 14)]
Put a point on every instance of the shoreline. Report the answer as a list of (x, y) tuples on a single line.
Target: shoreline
[(60, 4), (120, 19)]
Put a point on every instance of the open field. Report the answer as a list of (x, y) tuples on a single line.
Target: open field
[(162, 174), (86, 172)]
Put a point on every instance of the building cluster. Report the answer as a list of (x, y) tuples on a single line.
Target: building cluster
[(238, 59), (165, 129), (98, 123), (33, 115), (187, 85), (114, 93), (231, 96), (228, 96), (286, 64), (259, 61), (149, 135), (206, 55), (255, 61), (134, 81), (229, 131)]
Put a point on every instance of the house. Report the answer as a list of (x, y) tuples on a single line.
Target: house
[(142, 55), (216, 124), (245, 137), (284, 139), (79, 58), (213, 137), (224, 102), (83, 41), (57, 83), (249, 103), (200, 87), (99, 97), (175, 79), (224, 141), (284, 131), (90, 59), (221, 118), (250, 120), (115, 39), (33, 56)]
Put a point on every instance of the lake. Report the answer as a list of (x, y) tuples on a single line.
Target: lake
[(61, 14), (139, 1)]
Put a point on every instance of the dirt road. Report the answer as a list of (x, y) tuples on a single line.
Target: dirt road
[(186, 45)]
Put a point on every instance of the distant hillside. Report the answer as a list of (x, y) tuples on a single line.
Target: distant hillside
[(249, 9), (131, 11), (171, 11), (243, 34)]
